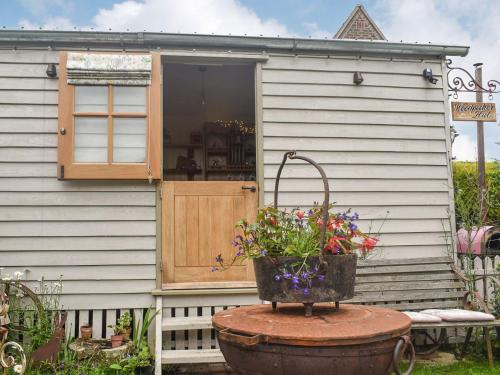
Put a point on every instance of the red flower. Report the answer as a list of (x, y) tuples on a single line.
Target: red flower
[(332, 243), (369, 243), (273, 221), (300, 214), (319, 222)]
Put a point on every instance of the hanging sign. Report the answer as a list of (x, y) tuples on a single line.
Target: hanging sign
[(473, 111)]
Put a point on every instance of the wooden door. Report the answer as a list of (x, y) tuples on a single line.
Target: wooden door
[(198, 223)]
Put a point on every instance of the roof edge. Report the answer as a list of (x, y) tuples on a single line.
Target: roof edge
[(147, 40)]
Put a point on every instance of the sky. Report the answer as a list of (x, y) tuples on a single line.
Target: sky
[(467, 22)]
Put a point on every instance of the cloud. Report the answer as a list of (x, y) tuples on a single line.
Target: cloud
[(40, 8), (187, 16), (464, 148), (50, 23), (473, 23)]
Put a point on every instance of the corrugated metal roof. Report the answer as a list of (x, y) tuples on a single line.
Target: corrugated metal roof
[(149, 40)]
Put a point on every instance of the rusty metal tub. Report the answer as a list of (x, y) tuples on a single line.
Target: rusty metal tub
[(256, 340)]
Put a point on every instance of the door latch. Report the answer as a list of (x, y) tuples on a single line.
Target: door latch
[(253, 189)]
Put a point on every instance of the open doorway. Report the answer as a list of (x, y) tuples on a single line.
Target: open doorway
[(209, 161), (209, 122)]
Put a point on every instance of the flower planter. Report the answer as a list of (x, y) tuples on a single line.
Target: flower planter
[(147, 370), (336, 284), (116, 341), (86, 332)]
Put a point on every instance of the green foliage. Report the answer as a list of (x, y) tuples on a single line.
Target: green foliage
[(467, 203), (125, 320), (465, 367)]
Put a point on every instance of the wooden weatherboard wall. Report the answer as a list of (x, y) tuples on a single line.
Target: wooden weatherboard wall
[(99, 236), (383, 144)]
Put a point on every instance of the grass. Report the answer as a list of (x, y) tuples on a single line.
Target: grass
[(464, 367)]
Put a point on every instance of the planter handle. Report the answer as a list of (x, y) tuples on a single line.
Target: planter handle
[(293, 155), (403, 345), (235, 338)]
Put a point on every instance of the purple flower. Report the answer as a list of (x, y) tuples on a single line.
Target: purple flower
[(239, 237), (263, 252), (214, 269), (277, 277), (355, 216), (353, 226), (306, 291), (239, 253), (219, 259), (295, 280), (321, 277), (287, 275), (234, 243)]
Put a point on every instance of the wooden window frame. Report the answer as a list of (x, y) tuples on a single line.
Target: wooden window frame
[(67, 168)]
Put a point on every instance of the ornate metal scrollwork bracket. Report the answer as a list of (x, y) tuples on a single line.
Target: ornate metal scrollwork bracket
[(460, 80)]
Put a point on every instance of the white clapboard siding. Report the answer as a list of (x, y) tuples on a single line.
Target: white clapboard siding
[(353, 131), (366, 184), (382, 145), (84, 273), (352, 144), (28, 97), (347, 104), (345, 78), (31, 126), (77, 243), (52, 184), (21, 83), (359, 171), (351, 117), (350, 91), (70, 213), (346, 64), (384, 158), (98, 236), (77, 198)]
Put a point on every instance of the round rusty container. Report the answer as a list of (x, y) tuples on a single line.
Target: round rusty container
[(338, 284), (354, 339)]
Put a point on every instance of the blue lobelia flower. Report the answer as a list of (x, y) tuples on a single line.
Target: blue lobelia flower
[(277, 277), (219, 259), (263, 252), (214, 269)]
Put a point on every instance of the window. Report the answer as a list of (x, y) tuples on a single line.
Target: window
[(109, 122)]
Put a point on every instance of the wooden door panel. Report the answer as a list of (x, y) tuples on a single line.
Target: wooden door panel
[(198, 219)]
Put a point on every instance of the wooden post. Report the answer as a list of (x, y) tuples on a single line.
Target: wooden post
[(481, 166)]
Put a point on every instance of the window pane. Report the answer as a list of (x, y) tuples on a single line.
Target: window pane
[(91, 140), (129, 99), (129, 140), (91, 99)]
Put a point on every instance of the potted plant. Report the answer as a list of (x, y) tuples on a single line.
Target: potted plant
[(125, 321), (117, 338), (300, 256), (86, 332)]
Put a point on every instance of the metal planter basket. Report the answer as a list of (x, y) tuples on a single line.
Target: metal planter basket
[(339, 270)]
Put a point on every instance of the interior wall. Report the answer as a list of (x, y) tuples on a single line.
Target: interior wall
[(229, 94)]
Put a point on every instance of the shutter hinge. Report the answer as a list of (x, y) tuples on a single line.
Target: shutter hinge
[(61, 172)]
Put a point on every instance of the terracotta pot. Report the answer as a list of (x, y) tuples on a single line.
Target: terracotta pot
[(116, 340), (338, 284), (126, 333), (86, 332)]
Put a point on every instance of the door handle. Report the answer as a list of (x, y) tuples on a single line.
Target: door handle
[(253, 189)]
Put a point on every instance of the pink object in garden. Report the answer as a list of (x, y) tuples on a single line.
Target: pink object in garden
[(477, 237)]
